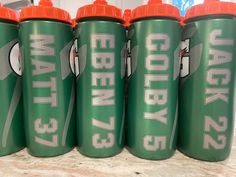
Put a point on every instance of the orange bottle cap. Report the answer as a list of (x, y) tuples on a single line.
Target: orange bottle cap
[(211, 7), (45, 10), (8, 14), (155, 8), (182, 20), (127, 17), (73, 22), (100, 8)]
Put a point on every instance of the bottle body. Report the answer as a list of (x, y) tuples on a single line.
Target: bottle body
[(153, 88), (49, 87), (207, 88), (100, 87), (11, 114)]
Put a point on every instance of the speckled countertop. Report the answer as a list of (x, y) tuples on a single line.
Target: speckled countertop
[(73, 164)]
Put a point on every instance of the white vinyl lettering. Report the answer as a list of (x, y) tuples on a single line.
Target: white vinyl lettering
[(103, 88), (157, 64)]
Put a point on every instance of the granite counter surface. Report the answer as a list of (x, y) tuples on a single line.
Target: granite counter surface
[(125, 164)]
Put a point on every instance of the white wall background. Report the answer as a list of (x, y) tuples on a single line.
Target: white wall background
[(72, 5)]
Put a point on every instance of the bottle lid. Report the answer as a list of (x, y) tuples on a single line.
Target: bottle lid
[(155, 8), (182, 20), (73, 22), (8, 14), (44, 10), (211, 7), (100, 8), (127, 17)]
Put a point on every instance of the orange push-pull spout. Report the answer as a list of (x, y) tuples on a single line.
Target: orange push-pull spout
[(45, 3)]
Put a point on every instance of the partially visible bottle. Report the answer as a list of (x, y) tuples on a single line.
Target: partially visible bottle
[(11, 110)]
